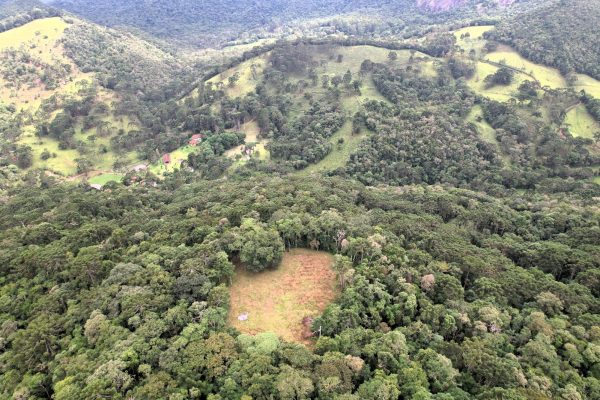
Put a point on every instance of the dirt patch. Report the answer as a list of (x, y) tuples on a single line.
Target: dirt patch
[(280, 300)]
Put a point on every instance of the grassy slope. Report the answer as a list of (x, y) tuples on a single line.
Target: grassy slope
[(103, 179), (475, 41), (580, 123), (325, 56), (41, 38)]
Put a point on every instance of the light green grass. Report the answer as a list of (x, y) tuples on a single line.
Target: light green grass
[(485, 130), (596, 180), (545, 75), (340, 154), (105, 178), (177, 157), (475, 41), (64, 162), (41, 34), (580, 123), (589, 84), (498, 92), (251, 130), (246, 83)]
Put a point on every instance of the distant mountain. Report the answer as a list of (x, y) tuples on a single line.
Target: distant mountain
[(212, 21), (11, 7), (445, 5)]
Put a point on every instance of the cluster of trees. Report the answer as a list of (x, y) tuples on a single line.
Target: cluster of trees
[(126, 63), (307, 140), (561, 34), (445, 293), (502, 77), (20, 68), (533, 146), (15, 13), (422, 136), (217, 22), (208, 160)]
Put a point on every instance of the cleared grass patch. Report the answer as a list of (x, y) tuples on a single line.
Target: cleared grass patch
[(277, 300), (589, 84), (249, 73), (580, 123), (485, 130), (474, 41), (177, 157), (340, 153), (498, 92), (105, 178), (40, 36), (545, 75)]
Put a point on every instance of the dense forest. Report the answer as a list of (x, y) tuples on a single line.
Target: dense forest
[(448, 294), (210, 23)]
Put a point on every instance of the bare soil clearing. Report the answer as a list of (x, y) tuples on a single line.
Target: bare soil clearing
[(278, 300)]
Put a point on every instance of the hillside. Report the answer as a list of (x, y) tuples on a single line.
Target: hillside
[(215, 23), (562, 34), (66, 89), (344, 109)]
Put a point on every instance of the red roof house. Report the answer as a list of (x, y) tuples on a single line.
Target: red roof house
[(166, 158), (197, 138)]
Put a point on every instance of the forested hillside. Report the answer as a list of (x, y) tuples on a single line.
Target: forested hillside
[(218, 22), (446, 294), (560, 33)]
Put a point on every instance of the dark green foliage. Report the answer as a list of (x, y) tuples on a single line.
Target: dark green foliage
[(121, 293), (560, 33), (503, 77), (413, 145)]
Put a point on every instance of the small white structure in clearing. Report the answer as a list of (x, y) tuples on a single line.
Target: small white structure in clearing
[(243, 317)]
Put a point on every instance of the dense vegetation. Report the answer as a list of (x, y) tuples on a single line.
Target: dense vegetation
[(218, 22), (561, 33), (448, 293), (465, 229)]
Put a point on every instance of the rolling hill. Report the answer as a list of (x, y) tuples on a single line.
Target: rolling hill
[(69, 95), (215, 23)]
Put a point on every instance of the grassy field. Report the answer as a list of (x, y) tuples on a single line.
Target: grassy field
[(63, 164), (177, 157), (485, 130), (580, 123), (340, 153), (545, 75), (40, 36), (277, 300), (247, 82), (589, 84), (499, 92), (103, 179), (475, 41)]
